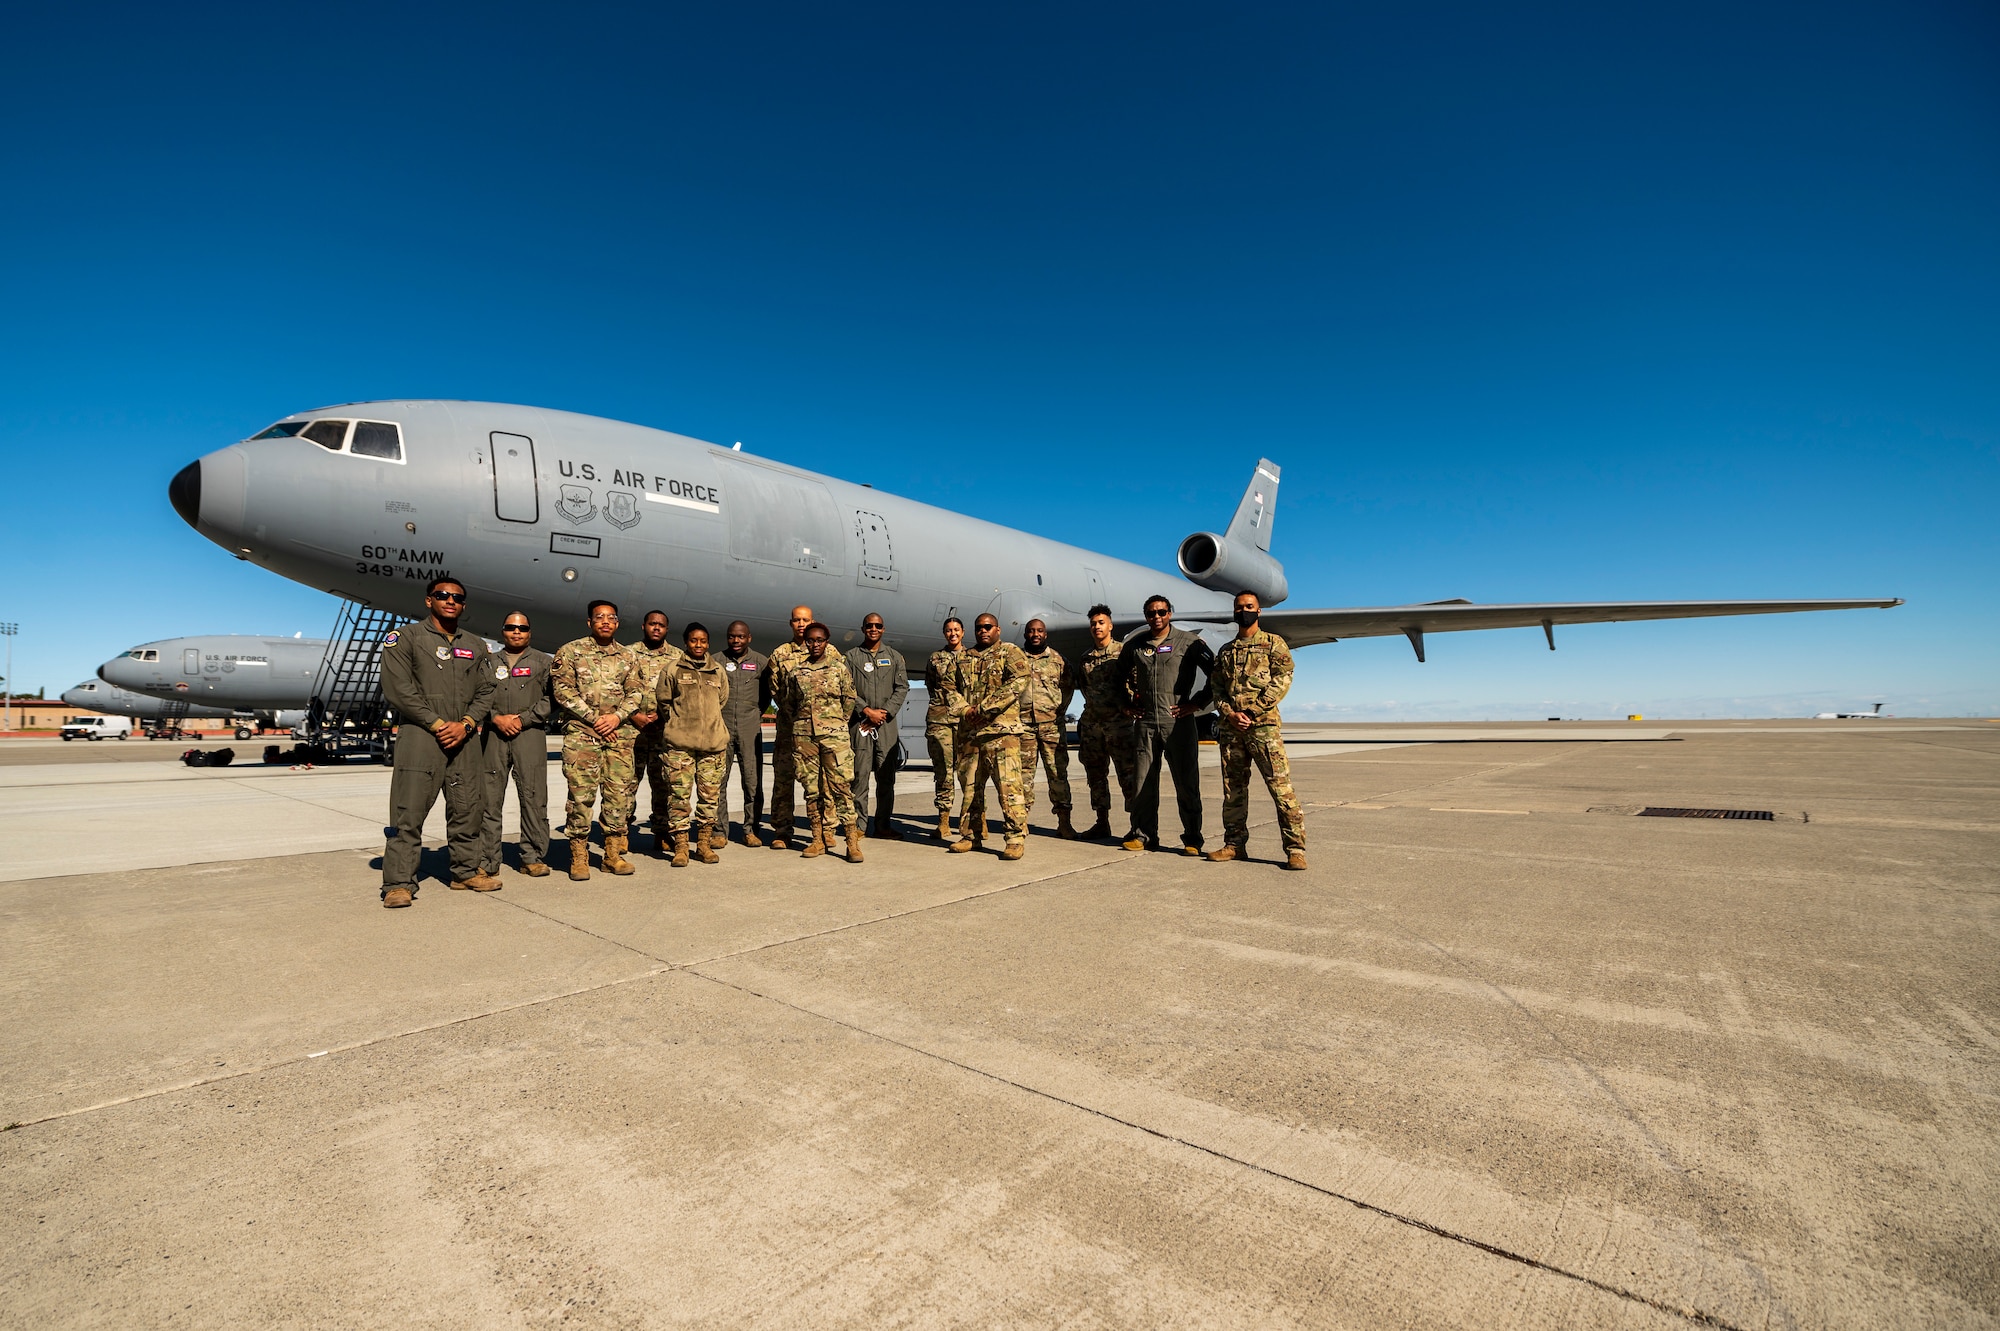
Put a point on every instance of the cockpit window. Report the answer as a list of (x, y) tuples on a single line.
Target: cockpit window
[(327, 434), (141, 654), (283, 430), (377, 439)]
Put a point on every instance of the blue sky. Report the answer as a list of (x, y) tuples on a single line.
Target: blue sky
[(1552, 302)]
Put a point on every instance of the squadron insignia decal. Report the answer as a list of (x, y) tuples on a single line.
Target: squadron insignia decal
[(621, 508), (576, 505), (391, 640)]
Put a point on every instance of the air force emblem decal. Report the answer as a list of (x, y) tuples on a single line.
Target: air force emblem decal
[(621, 508), (575, 504)]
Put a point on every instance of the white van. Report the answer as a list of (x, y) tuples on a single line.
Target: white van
[(98, 727)]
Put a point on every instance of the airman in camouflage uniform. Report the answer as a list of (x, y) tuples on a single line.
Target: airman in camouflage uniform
[(597, 685), (992, 675), (1104, 735), (649, 750), (690, 699), (1044, 709), (1252, 673), (819, 693), (944, 723), (784, 757)]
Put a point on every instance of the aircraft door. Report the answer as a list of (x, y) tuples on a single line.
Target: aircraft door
[(515, 498), (878, 556), (191, 661), (778, 517)]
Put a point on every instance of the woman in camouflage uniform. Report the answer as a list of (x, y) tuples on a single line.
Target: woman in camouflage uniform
[(689, 699), (944, 722)]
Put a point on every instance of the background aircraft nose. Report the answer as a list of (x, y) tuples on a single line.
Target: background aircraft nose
[(184, 493)]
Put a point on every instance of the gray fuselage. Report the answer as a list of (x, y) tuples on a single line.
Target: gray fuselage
[(544, 511), (100, 696), (243, 672)]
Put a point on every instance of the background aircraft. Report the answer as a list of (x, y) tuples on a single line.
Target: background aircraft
[(271, 678), (543, 511), (1849, 716), (98, 696)]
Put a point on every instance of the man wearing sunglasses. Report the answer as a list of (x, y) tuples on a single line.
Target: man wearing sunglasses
[(439, 679), (516, 742), (1158, 669)]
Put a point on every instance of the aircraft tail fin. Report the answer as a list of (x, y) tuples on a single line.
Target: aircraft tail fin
[(1254, 514)]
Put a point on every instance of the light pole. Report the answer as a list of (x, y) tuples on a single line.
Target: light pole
[(8, 631)]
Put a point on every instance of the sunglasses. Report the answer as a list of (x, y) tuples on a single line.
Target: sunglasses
[(514, 628), (1158, 614), (457, 597)]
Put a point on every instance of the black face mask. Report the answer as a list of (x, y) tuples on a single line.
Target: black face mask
[(1245, 618)]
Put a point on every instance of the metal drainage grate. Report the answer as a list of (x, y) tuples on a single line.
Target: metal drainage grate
[(1753, 815)]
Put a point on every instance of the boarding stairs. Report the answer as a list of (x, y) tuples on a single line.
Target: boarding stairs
[(170, 723), (347, 716)]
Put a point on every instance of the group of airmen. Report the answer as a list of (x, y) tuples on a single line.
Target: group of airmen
[(684, 717)]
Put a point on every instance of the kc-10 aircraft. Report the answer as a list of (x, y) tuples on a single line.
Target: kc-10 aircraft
[(113, 701), (269, 677), (542, 511)]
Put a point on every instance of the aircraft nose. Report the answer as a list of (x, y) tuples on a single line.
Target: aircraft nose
[(209, 494), (184, 493)]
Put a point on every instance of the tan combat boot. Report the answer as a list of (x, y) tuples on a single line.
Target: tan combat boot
[(1013, 850), (716, 839), (781, 837), (480, 881), (614, 856), (817, 846), (971, 834), (398, 897), (536, 870), (750, 834), (854, 842), (1226, 852), (1063, 827), (705, 842), (1295, 860), (579, 858), (944, 826), (680, 850)]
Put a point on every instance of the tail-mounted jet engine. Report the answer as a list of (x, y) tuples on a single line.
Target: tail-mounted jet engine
[(1223, 565), (1241, 560)]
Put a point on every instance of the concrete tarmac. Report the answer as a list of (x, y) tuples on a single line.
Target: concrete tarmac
[(1495, 1060)]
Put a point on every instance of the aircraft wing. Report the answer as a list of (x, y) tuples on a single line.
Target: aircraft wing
[(1304, 628)]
